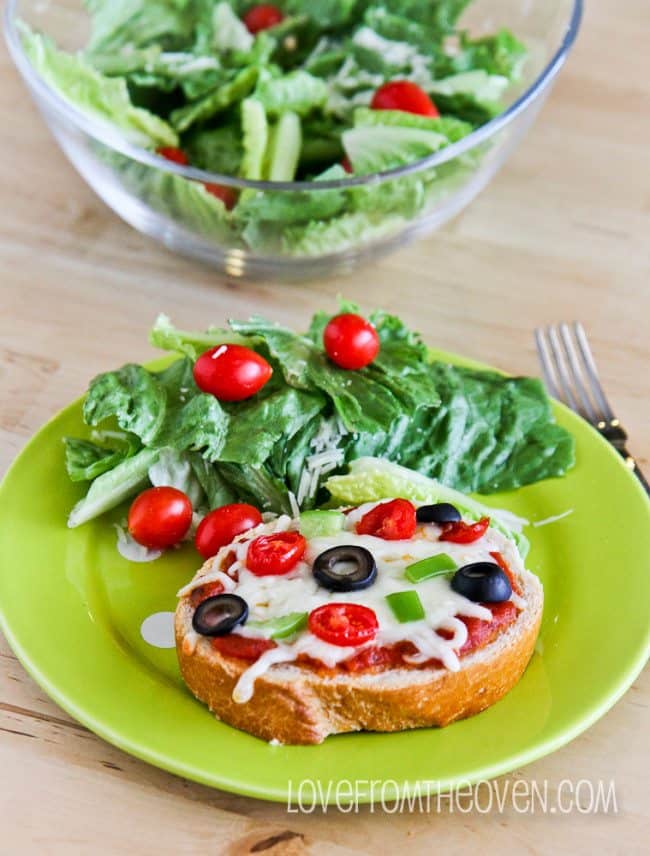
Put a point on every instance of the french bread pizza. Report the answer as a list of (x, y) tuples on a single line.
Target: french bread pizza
[(389, 615)]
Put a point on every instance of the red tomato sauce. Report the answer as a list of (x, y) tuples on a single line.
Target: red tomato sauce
[(375, 658)]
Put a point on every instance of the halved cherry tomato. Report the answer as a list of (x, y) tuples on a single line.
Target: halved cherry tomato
[(406, 96), (393, 521), (244, 647), (350, 341), (464, 533), (273, 555), (231, 372), (262, 17), (222, 526), (343, 623), (228, 195), (160, 517), (171, 153)]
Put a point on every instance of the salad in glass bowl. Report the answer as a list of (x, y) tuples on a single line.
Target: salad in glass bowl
[(290, 138)]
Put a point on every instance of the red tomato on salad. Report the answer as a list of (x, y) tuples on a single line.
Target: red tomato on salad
[(228, 195), (274, 555), (464, 533), (160, 517), (350, 341), (231, 372), (406, 96), (393, 521), (171, 153), (346, 163), (343, 623), (222, 526), (262, 17)]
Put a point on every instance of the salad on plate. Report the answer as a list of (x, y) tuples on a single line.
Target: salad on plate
[(254, 412)]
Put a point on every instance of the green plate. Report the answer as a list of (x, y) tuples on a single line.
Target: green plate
[(72, 609)]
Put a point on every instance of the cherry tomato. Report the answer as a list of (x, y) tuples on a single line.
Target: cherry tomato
[(405, 96), (231, 372), (343, 623), (347, 165), (274, 555), (171, 153), (262, 17), (393, 521), (160, 517), (464, 533), (222, 526), (350, 341), (244, 647), (228, 195)]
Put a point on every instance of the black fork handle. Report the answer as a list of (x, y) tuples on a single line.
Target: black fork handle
[(630, 460)]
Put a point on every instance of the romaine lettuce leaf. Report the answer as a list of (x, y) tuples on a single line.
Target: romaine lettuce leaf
[(297, 91), (382, 147), (105, 98), (113, 487), (370, 479), (216, 101), (85, 460), (284, 148), (184, 201), (499, 54), (270, 419), (338, 234), (255, 131), (133, 396), (477, 83), (129, 24), (216, 149), (229, 33), (451, 128)]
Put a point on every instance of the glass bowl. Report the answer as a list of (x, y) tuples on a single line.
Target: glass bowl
[(157, 196)]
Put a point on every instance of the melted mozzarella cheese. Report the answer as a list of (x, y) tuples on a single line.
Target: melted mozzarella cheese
[(298, 591)]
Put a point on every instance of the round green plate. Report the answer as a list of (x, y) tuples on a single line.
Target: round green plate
[(72, 609)]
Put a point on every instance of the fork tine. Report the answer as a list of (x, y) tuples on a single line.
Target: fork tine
[(560, 362), (577, 374), (592, 372), (550, 377)]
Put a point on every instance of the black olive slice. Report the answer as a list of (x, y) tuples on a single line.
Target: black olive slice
[(345, 568), (217, 615), (441, 512), (482, 582)]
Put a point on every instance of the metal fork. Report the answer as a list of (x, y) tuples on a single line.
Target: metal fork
[(571, 375)]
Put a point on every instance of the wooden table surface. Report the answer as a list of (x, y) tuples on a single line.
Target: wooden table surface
[(562, 233)]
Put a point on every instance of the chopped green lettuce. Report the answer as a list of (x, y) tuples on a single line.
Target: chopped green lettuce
[(256, 132), (105, 98), (467, 429), (297, 91)]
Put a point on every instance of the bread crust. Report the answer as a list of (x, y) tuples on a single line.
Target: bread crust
[(299, 706)]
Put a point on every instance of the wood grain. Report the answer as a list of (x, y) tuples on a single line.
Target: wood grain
[(561, 234)]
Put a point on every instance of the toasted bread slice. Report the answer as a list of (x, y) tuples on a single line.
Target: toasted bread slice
[(295, 705)]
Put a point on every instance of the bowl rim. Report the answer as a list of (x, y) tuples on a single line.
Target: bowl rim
[(110, 136)]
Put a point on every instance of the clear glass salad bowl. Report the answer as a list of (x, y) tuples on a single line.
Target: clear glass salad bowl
[(156, 196)]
